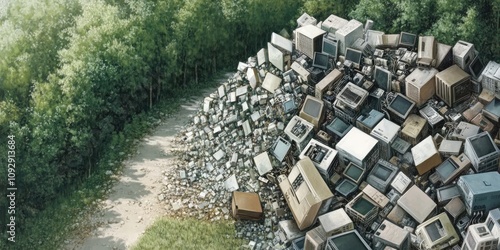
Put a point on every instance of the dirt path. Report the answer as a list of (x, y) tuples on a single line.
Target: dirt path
[(133, 204)]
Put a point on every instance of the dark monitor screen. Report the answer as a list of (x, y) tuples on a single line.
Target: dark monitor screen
[(482, 145), (320, 60), (435, 230), (338, 126), (353, 55), (446, 169), (382, 172), (354, 172), (346, 187), (330, 47), (476, 67), (362, 206), (348, 241), (407, 39), (401, 105), (312, 108), (382, 78)]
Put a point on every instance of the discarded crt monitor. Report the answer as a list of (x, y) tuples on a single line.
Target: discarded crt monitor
[(400, 108), (246, 206), (312, 111), (437, 233), (347, 241), (383, 78)]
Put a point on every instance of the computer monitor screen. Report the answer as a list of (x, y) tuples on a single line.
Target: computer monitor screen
[(362, 206), (353, 55), (382, 78), (476, 67), (482, 145), (320, 60), (312, 108), (407, 39), (330, 47), (382, 172), (338, 126), (353, 172), (346, 187), (446, 169), (435, 230), (401, 105), (347, 241)]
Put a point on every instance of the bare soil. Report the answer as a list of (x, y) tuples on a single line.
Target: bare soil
[(135, 202)]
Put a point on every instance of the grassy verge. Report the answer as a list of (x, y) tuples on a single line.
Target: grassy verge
[(58, 221), (171, 233)]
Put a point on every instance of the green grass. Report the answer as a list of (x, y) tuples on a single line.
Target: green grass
[(172, 233)]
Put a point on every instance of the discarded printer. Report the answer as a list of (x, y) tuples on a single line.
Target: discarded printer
[(305, 192)]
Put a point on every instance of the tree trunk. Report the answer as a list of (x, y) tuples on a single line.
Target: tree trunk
[(196, 73), (151, 94), (185, 65)]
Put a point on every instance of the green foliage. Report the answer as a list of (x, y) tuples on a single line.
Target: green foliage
[(321, 9)]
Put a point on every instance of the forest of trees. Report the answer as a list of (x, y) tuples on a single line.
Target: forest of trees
[(74, 72)]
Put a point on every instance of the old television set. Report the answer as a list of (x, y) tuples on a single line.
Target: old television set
[(482, 152), (320, 60), (354, 173), (421, 85), (437, 232), (382, 175), (476, 67), (312, 110), (330, 47), (354, 56), (452, 167), (306, 193), (309, 39), (407, 40), (453, 85), (382, 78), (400, 108), (347, 241)]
